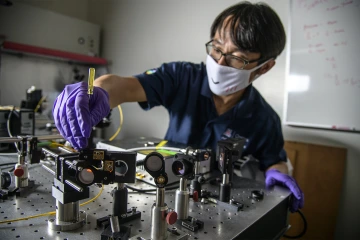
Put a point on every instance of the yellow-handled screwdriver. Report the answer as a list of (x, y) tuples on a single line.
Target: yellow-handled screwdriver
[(91, 81)]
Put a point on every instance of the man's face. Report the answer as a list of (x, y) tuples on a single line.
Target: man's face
[(224, 44), (222, 41)]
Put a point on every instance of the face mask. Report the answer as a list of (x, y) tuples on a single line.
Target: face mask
[(224, 80)]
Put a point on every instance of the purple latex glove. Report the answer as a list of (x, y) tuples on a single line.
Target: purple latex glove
[(75, 114), (275, 177)]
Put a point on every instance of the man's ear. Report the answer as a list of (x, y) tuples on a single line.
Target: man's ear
[(267, 66)]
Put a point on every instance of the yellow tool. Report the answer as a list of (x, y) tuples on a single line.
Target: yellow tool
[(91, 81)]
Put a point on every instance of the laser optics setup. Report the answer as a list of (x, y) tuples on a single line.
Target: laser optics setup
[(212, 205)]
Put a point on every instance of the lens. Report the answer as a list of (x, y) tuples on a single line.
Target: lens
[(121, 168), (181, 168), (178, 168), (234, 62), (154, 163), (206, 156), (213, 52), (86, 176)]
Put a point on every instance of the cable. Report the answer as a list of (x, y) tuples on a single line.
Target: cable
[(30, 217), (8, 154), (140, 190), (94, 198), (120, 126), (153, 148), (152, 189), (53, 212), (6, 164), (39, 103), (8, 127), (55, 144), (304, 229)]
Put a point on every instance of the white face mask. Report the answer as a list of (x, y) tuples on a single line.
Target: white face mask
[(224, 80)]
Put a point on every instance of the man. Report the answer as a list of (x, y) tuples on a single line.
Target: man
[(206, 103)]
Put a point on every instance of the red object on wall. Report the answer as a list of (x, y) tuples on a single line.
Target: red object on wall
[(24, 48)]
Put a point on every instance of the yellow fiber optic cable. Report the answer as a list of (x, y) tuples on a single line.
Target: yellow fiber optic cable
[(53, 212), (120, 126)]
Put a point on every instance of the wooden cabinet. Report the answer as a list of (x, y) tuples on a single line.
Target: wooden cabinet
[(319, 171)]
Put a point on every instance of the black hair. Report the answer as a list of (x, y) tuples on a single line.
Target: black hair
[(254, 28)]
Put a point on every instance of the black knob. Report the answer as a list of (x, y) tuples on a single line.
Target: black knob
[(257, 195)]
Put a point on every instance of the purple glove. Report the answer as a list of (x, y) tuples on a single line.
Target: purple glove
[(275, 177), (75, 114)]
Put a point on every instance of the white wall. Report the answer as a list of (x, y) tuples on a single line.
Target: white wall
[(77, 9), (138, 35), (18, 73)]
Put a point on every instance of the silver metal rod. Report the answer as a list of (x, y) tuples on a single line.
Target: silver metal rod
[(225, 179), (74, 185), (50, 152), (197, 167), (19, 139), (68, 162), (48, 169), (9, 140), (183, 184), (120, 186), (160, 197), (114, 222), (21, 159), (49, 137), (65, 150)]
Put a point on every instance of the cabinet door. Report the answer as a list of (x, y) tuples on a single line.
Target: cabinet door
[(319, 171)]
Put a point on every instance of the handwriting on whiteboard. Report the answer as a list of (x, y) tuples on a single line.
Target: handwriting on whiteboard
[(348, 81), (329, 34), (310, 5)]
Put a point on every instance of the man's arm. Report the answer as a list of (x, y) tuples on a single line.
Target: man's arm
[(121, 89), (281, 166)]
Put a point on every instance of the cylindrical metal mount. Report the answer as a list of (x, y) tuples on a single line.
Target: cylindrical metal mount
[(158, 222), (68, 217), (22, 181), (225, 192), (120, 197), (68, 212), (182, 200)]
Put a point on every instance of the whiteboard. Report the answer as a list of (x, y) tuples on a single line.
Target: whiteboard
[(323, 79)]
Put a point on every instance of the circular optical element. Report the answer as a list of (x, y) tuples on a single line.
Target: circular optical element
[(86, 176), (179, 168), (154, 163), (121, 168)]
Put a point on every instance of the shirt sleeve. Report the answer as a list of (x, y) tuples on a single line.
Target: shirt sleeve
[(271, 149), (161, 84)]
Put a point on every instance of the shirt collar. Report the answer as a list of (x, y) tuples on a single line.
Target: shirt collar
[(205, 88), (243, 109)]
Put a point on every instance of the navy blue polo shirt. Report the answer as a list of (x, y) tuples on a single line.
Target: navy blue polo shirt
[(183, 89)]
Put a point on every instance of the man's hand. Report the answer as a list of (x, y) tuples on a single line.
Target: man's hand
[(75, 113), (275, 177)]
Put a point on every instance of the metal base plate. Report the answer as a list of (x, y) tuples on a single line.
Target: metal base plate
[(124, 234), (219, 222), (67, 226), (191, 224), (173, 234)]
